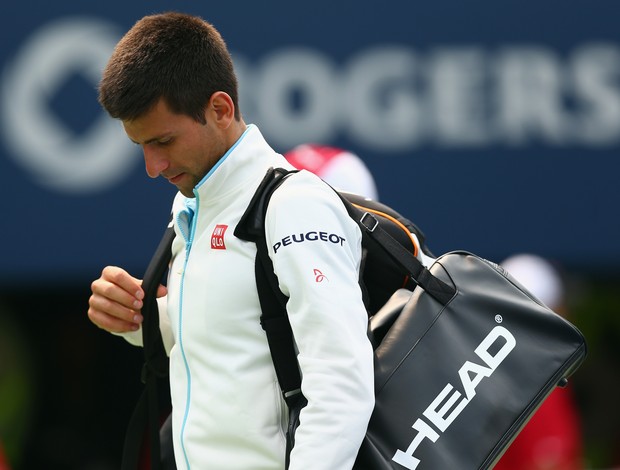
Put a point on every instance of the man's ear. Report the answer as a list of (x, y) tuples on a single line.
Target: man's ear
[(220, 109)]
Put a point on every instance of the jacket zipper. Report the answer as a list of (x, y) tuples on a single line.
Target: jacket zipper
[(188, 246)]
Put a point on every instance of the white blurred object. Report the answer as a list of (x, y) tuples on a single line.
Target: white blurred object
[(538, 276), (340, 168)]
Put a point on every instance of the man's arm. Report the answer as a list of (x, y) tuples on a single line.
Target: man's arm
[(316, 249)]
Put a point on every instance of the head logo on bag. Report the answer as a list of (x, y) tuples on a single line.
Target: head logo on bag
[(444, 409)]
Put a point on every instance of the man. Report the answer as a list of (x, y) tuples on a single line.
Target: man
[(170, 81)]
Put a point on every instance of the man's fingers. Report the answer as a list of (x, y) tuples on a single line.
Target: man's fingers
[(110, 323), (124, 280), (116, 294), (110, 306), (118, 286)]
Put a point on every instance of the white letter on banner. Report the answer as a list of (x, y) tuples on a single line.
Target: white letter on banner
[(309, 74), (530, 85), (596, 68), (384, 108), (39, 140)]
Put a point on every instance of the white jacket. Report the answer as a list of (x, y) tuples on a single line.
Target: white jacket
[(228, 412)]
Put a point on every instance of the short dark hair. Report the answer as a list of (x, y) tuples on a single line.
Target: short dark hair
[(180, 58)]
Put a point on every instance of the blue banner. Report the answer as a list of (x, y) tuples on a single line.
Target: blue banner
[(495, 126)]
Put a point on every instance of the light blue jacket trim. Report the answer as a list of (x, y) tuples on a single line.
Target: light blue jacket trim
[(221, 160), (192, 209)]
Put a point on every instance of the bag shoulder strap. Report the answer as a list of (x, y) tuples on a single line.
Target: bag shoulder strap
[(274, 319), (155, 364)]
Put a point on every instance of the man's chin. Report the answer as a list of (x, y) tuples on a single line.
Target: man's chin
[(186, 193)]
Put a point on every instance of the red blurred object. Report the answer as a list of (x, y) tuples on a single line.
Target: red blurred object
[(551, 440), (4, 463)]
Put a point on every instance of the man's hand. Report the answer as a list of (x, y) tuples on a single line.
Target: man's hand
[(116, 301)]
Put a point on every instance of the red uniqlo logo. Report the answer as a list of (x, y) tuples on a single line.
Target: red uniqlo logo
[(217, 239)]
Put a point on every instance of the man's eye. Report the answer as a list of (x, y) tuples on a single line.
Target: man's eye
[(164, 142)]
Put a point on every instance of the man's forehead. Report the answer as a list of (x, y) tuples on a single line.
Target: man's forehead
[(157, 123)]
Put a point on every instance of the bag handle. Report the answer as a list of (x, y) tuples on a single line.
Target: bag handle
[(420, 274)]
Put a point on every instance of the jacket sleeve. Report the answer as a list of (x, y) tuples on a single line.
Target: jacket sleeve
[(316, 252)]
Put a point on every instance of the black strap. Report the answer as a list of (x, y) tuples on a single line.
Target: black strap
[(134, 435), (274, 319), (370, 226), (276, 324), (155, 364)]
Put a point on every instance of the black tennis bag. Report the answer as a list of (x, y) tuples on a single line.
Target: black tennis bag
[(462, 361), (456, 381)]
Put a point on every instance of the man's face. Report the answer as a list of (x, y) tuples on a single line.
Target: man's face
[(176, 146)]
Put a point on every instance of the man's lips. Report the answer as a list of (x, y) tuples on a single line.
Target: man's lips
[(175, 179)]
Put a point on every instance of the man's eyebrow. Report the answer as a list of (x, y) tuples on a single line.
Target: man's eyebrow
[(149, 141)]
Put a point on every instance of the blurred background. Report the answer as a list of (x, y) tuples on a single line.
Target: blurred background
[(494, 126)]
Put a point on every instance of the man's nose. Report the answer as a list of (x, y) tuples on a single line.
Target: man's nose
[(155, 161)]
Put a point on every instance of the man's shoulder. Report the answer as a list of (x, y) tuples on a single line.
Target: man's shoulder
[(304, 199), (304, 188)]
